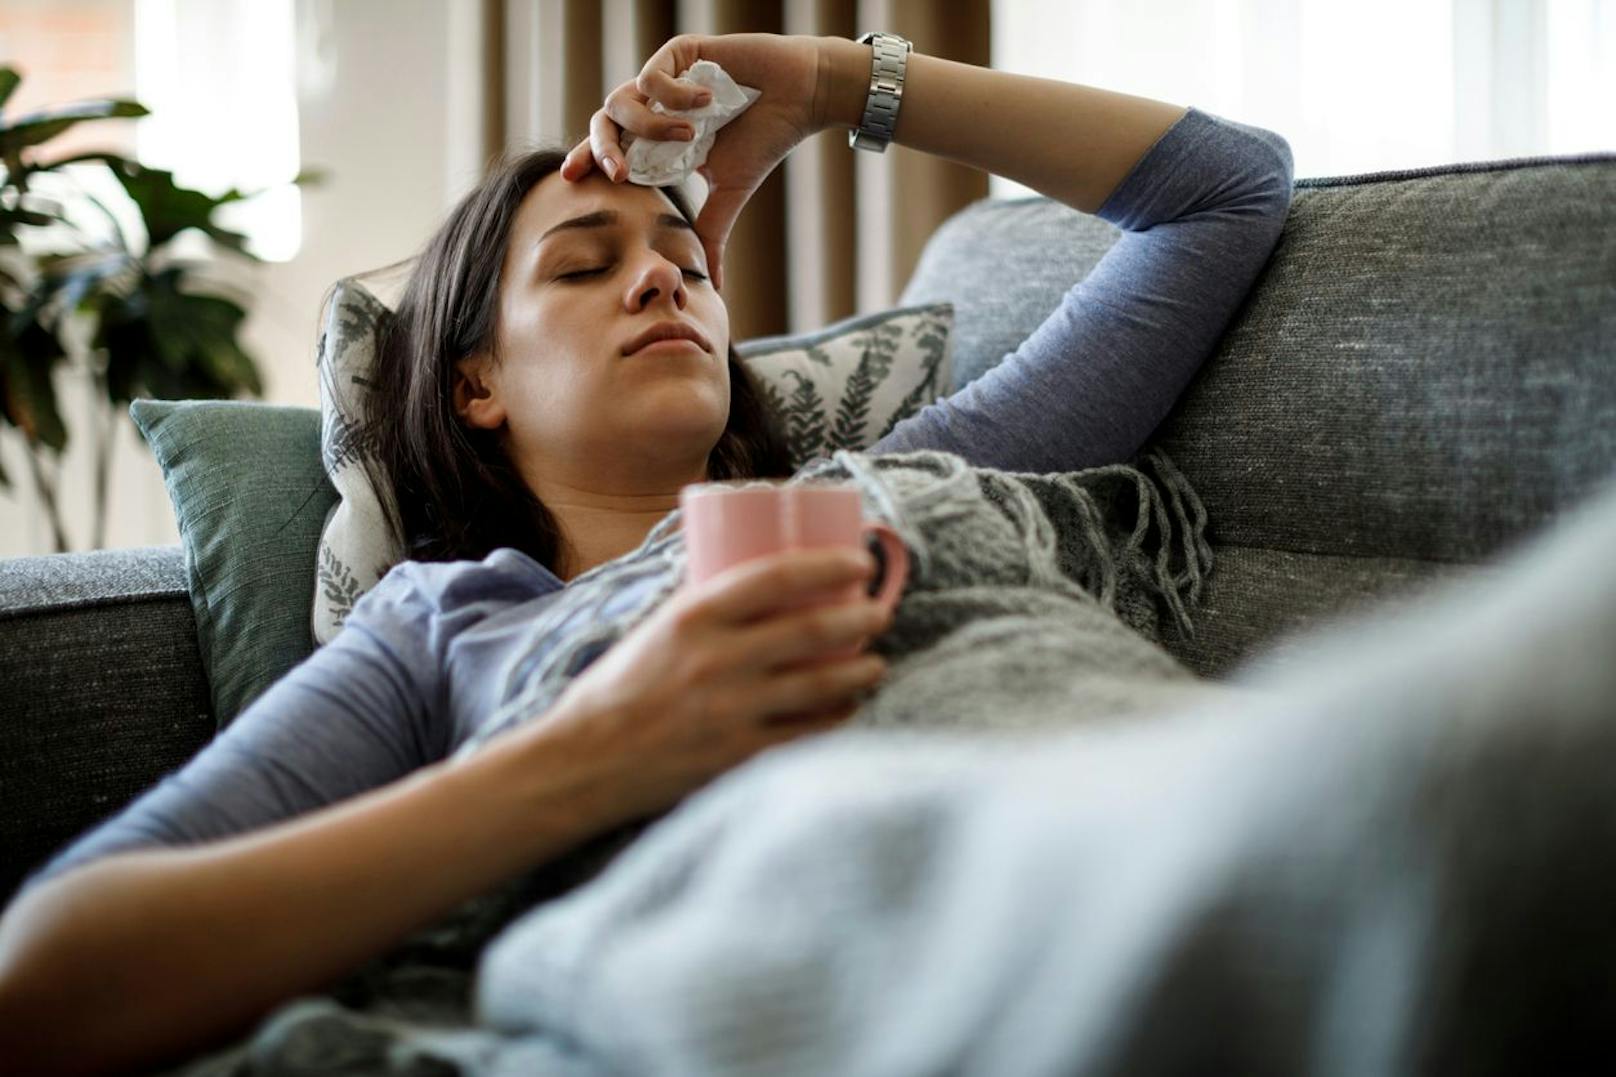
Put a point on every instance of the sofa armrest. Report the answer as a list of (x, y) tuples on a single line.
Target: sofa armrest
[(104, 692)]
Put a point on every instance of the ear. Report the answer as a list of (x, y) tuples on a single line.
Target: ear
[(475, 400)]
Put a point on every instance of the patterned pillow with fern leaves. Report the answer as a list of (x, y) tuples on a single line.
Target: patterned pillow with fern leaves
[(847, 385), (357, 547)]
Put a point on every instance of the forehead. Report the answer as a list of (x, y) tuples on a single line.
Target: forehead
[(554, 200)]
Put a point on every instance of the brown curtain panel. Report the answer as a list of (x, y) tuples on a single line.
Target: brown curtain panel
[(833, 232)]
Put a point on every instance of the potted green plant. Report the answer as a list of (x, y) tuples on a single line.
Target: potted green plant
[(138, 314)]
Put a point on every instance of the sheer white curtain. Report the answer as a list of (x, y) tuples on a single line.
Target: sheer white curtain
[(1355, 87)]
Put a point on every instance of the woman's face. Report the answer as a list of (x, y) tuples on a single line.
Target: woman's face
[(591, 266)]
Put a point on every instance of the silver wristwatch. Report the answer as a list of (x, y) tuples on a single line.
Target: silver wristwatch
[(891, 54)]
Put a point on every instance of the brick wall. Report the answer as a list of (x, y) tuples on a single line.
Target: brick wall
[(68, 50)]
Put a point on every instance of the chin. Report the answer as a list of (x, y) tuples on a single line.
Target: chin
[(689, 414)]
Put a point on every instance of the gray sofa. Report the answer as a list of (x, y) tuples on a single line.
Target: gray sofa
[(1424, 375)]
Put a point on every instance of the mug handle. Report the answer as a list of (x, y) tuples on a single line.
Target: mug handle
[(892, 563)]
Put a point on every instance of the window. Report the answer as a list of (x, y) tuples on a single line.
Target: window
[(220, 79), (1365, 86)]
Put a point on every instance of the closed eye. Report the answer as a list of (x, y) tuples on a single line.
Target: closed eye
[(695, 274)]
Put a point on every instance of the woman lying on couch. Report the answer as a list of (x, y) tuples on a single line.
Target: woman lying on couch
[(524, 448)]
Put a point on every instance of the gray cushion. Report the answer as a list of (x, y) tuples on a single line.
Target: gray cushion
[(104, 692), (32, 584), (1423, 374), (1259, 601)]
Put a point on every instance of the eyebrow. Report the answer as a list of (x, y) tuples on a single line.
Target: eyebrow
[(605, 217)]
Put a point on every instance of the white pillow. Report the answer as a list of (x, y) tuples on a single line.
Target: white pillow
[(841, 387)]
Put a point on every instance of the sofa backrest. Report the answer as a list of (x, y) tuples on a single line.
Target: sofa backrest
[(1424, 374)]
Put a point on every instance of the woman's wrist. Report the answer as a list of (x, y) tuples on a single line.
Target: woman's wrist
[(844, 75), (560, 791)]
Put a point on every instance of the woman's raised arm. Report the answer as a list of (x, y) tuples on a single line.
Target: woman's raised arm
[(1070, 142)]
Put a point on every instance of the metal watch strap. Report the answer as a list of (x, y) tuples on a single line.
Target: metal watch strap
[(890, 54)]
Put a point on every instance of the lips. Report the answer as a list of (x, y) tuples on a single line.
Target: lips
[(667, 331)]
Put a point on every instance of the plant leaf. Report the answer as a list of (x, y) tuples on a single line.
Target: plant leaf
[(853, 413), (37, 127), (195, 337), (8, 82), (29, 402), (169, 209), (805, 419), (111, 160), (122, 332), (74, 277)]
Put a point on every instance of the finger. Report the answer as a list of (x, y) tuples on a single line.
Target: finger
[(712, 246), (714, 222), (764, 584), (605, 146), (834, 686), (632, 114), (674, 93), (715, 262), (579, 162), (810, 633)]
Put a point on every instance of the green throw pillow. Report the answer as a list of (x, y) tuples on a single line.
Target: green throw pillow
[(250, 497)]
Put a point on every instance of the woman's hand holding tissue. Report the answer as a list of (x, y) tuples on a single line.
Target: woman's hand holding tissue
[(792, 77)]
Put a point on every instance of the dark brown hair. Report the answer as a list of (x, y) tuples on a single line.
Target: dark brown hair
[(454, 493)]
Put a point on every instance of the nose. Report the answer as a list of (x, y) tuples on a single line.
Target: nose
[(656, 276)]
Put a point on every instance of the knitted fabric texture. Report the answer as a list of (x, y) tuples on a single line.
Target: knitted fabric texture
[(1012, 577)]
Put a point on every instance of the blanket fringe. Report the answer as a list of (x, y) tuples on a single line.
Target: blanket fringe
[(1191, 532), (1171, 503), (1030, 499)]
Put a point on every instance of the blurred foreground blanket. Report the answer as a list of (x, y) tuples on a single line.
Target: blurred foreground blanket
[(1397, 854)]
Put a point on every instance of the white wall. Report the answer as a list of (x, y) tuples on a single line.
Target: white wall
[(388, 106)]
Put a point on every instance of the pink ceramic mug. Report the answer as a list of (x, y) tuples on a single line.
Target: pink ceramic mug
[(726, 523)]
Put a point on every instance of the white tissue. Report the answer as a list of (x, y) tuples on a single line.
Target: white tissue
[(673, 163)]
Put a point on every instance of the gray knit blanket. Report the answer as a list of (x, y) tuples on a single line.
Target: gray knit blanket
[(1035, 602)]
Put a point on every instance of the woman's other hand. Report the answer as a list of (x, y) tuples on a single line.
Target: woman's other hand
[(719, 672), (792, 73)]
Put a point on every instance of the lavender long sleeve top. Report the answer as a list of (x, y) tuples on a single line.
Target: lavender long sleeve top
[(407, 679)]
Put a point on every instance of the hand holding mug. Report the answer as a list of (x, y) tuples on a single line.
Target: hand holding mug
[(715, 675), (763, 643)]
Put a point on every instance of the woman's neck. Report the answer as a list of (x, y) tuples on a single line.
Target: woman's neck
[(592, 540)]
